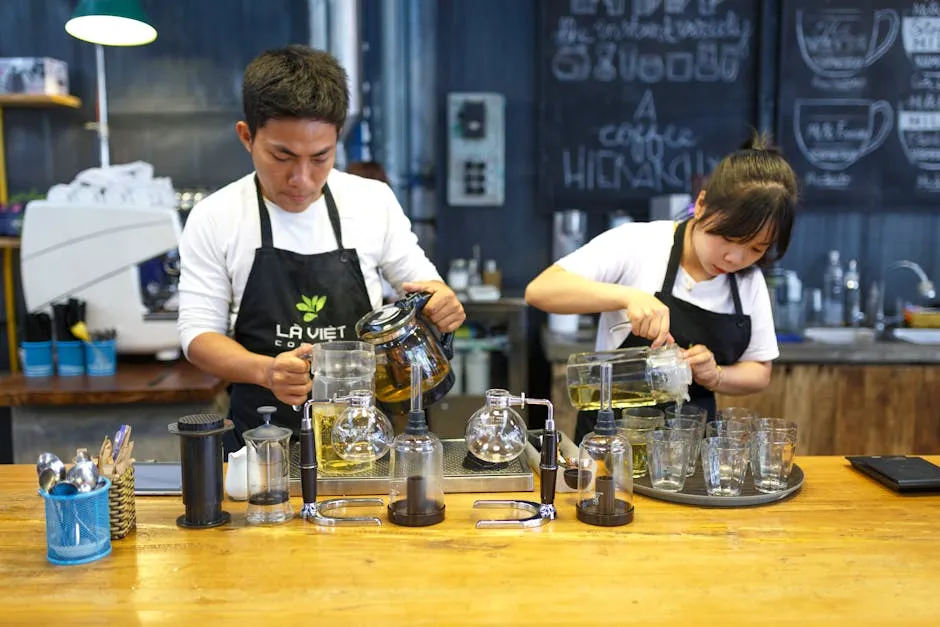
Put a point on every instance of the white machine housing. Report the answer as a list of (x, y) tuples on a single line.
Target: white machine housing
[(91, 252)]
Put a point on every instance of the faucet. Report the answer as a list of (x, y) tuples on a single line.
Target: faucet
[(925, 288)]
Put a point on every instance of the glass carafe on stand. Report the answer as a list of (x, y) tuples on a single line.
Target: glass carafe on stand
[(497, 433), (361, 433), (268, 472), (605, 460), (416, 471)]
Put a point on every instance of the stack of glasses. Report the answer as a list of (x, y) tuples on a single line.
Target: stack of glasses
[(669, 444)]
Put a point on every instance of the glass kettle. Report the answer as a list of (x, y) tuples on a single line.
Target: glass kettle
[(403, 338)]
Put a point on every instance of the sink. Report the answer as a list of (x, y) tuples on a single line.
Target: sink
[(917, 336), (839, 335)]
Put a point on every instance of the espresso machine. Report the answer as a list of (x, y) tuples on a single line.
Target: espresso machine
[(105, 254)]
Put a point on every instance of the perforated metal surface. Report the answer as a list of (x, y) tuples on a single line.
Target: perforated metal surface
[(462, 473)]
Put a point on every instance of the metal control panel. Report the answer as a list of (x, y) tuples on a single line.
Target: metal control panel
[(476, 149)]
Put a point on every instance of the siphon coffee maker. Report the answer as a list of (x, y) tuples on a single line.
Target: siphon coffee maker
[(605, 460), (268, 472), (496, 432), (339, 369), (320, 513), (416, 470), (361, 433)]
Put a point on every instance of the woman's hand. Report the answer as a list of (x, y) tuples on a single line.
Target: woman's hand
[(705, 370), (649, 318)]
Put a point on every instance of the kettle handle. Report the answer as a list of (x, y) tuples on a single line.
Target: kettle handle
[(419, 300), (447, 344)]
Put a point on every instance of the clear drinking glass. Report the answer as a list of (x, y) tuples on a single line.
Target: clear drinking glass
[(669, 452), (636, 423), (772, 453), (695, 424), (724, 462)]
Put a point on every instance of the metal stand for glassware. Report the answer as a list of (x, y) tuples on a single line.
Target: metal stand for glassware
[(318, 513), (539, 513)]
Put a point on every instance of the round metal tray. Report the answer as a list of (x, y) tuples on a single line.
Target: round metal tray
[(694, 491)]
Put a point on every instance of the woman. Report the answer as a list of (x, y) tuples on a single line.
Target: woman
[(694, 283)]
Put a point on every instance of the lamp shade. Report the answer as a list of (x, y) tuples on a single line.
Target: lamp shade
[(111, 23)]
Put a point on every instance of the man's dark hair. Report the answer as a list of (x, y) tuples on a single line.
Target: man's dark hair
[(295, 82)]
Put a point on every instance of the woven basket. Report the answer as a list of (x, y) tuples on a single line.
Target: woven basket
[(121, 505)]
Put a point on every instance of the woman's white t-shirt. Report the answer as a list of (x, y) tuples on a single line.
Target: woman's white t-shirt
[(636, 255)]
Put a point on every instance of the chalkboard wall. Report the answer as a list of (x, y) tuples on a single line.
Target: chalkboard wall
[(638, 97), (859, 111)]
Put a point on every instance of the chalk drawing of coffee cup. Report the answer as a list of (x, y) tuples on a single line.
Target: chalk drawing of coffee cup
[(839, 43), (919, 132), (921, 39), (834, 133)]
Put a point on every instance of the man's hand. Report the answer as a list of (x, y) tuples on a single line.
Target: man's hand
[(288, 376), (443, 309)]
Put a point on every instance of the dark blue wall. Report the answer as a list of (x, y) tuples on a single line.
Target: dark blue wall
[(172, 103)]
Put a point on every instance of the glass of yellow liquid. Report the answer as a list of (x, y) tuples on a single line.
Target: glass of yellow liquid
[(328, 461), (635, 424)]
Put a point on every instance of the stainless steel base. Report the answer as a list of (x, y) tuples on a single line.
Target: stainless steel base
[(462, 473)]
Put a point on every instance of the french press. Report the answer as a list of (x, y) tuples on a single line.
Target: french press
[(605, 463), (403, 338), (416, 470), (268, 472), (498, 427), (321, 513)]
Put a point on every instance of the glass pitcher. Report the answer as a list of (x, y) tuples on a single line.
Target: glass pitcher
[(641, 376), (339, 369)]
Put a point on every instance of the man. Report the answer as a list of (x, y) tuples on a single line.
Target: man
[(291, 254)]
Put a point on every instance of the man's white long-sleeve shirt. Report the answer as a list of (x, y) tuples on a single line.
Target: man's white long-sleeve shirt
[(223, 231)]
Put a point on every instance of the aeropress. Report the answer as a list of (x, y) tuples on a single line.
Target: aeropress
[(201, 469)]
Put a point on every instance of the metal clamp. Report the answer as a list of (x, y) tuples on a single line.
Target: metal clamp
[(318, 512), (540, 514)]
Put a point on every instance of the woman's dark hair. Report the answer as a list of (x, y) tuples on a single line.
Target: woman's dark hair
[(295, 82), (750, 189)]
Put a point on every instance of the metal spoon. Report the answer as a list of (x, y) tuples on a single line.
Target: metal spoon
[(83, 475), (52, 462), (51, 471)]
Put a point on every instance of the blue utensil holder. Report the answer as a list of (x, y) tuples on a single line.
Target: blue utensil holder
[(101, 358), (36, 358), (70, 359), (78, 525)]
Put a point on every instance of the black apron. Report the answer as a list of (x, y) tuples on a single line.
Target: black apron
[(727, 336), (290, 299)]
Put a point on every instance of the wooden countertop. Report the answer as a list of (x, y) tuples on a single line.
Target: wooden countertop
[(152, 382), (845, 551)]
